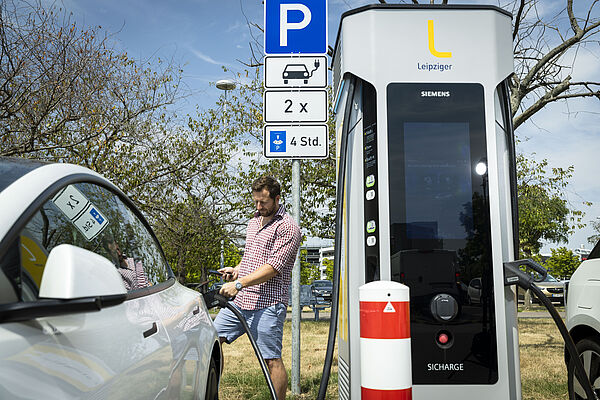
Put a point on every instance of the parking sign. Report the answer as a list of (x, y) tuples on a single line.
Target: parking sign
[(295, 26)]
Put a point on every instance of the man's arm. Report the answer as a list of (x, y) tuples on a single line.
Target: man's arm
[(262, 274)]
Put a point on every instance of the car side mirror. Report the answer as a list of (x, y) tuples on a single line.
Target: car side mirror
[(72, 272)]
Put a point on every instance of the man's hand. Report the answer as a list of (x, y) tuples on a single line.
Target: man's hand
[(228, 290), (229, 274)]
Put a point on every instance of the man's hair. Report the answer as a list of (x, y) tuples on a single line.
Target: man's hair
[(269, 183)]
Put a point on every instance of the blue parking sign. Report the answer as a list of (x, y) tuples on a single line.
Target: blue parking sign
[(277, 141), (295, 26)]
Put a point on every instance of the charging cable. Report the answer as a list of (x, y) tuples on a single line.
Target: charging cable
[(213, 299), (514, 276)]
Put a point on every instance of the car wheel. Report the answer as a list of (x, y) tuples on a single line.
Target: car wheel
[(212, 382), (589, 353)]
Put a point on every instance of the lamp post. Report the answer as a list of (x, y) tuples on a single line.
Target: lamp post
[(225, 85)]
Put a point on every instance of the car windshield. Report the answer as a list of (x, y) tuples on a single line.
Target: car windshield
[(322, 284), (549, 278), (295, 67)]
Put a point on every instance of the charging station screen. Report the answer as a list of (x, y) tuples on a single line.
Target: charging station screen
[(440, 238), (438, 179)]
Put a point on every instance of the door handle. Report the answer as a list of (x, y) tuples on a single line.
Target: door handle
[(151, 331)]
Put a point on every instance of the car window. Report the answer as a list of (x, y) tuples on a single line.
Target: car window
[(91, 217)]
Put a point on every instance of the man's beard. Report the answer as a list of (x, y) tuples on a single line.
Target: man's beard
[(268, 213)]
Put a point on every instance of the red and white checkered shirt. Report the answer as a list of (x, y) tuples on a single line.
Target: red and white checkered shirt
[(275, 244)]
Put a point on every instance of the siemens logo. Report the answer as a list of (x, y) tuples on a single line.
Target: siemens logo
[(445, 367), (427, 93)]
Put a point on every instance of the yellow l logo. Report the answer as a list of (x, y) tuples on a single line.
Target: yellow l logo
[(432, 50)]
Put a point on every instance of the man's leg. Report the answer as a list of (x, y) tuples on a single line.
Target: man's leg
[(278, 376), (228, 328), (269, 322)]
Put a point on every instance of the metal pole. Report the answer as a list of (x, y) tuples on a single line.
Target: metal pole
[(296, 285)]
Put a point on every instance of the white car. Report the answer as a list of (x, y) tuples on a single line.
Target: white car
[(89, 307), (583, 322)]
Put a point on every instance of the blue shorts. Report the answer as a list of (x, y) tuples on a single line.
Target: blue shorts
[(266, 326)]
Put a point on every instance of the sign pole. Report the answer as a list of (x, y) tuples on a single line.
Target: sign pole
[(296, 311), (295, 108)]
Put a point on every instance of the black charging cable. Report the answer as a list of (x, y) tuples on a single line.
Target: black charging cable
[(213, 299), (338, 242), (514, 276)]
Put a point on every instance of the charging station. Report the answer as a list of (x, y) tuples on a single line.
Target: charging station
[(430, 191)]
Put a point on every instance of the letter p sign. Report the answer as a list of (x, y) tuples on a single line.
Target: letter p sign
[(295, 26)]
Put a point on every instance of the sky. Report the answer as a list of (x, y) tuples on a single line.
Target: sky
[(206, 35)]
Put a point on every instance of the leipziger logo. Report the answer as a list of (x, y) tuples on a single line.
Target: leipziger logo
[(439, 54)]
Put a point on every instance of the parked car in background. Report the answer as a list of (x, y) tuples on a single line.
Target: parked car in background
[(583, 322), (474, 291), (322, 289), (89, 307), (552, 288)]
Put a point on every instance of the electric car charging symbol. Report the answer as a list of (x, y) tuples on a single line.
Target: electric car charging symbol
[(371, 226), (370, 180), (298, 71)]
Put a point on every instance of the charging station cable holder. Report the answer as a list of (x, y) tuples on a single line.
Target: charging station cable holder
[(513, 275)]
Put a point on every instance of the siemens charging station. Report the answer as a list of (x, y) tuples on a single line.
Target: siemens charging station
[(430, 190)]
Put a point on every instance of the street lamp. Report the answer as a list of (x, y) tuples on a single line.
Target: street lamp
[(225, 85)]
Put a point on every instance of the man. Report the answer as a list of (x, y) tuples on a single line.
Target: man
[(261, 280)]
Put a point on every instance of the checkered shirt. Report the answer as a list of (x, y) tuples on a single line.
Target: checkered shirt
[(275, 244)]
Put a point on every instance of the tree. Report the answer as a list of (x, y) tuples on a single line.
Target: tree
[(544, 212), (245, 124), (595, 238), (308, 271), (66, 95), (562, 263), (546, 48)]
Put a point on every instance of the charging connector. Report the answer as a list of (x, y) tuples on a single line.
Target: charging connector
[(213, 299), (514, 276)]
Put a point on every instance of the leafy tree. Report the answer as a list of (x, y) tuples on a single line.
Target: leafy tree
[(544, 212), (308, 271), (562, 263), (328, 268), (67, 95), (596, 237), (244, 118)]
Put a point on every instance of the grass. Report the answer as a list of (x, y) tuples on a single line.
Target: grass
[(243, 379), (543, 372)]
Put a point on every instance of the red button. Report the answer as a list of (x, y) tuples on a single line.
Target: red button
[(443, 338)]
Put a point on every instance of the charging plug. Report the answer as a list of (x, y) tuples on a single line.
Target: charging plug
[(514, 276), (213, 299)]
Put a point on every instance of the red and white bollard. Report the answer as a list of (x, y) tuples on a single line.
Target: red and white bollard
[(385, 355)]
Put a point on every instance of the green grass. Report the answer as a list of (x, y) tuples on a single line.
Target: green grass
[(543, 372)]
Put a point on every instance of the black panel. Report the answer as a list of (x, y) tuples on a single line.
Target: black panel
[(440, 230), (371, 192)]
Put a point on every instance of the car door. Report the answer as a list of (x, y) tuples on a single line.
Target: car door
[(120, 352)]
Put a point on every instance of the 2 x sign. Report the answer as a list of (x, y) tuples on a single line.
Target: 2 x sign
[(295, 26)]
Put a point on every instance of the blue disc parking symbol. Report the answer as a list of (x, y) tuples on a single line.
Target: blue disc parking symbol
[(295, 26), (277, 141)]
